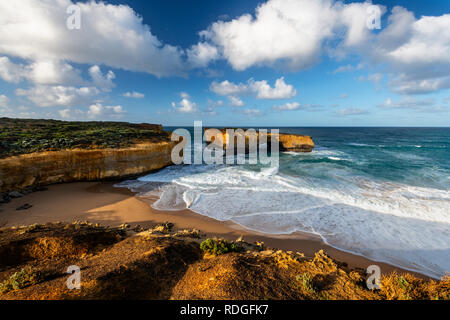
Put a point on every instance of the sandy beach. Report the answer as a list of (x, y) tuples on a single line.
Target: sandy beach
[(101, 202)]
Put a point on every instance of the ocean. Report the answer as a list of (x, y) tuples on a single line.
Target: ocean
[(383, 193)]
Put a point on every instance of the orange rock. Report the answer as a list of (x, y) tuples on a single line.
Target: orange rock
[(43, 168)]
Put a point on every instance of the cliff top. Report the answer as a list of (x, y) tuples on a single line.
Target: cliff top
[(21, 136), (180, 264)]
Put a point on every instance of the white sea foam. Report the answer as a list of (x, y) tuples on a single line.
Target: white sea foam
[(400, 224)]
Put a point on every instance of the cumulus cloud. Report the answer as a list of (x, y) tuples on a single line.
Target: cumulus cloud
[(112, 35), (45, 72), (265, 91), (235, 101), (288, 31), (95, 111), (296, 33), (6, 110), (104, 82), (415, 51), (55, 83), (4, 100), (291, 30), (185, 105), (134, 94), (226, 88), (201, 54), (51, 96), (259, 89)]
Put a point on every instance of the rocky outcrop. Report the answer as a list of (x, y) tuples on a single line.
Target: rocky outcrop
[(43, 168), (125, 263), (287, 142), (296, 143)]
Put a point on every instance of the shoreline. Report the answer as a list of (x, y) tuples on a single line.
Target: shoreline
[(101, 202)]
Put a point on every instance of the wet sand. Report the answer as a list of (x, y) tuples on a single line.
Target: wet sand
[(101, 202)]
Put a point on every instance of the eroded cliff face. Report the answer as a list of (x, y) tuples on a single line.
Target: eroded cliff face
[(296, 143), (287, 142), (45, 168)]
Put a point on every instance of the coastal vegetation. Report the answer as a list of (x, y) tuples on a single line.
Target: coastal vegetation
[(22, 136), (180, 264), (219, 246)]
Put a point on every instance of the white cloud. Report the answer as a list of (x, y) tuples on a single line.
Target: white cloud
[(11, 72), (235, 101), (351, 111), (416, 52), (259, 89), (104, 82), (348, 68), (69, 114), (51, 96), (412, 51), (185, 105), (112, 35), (134, 94), (293, 106), (4, 101), (226, 88), (407, 103), (6, 110), (292, 31), (289, 106), (53, 72), (411, 103), (201, 54), (49, 72), (97, 110), (280, 91), (281, 29)]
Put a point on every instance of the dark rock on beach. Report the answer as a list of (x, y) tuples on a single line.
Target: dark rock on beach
[(26, 206)]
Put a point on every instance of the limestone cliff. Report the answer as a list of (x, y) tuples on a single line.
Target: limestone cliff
[(287, 142), (295, 142), (43, 168)]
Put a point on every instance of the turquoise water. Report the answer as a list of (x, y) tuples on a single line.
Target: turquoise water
[(383, 193), (414, 156)]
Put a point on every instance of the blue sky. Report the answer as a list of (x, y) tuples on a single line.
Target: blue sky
[(228, 63)]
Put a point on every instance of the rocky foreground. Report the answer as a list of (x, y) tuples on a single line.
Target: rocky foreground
[(163, 263)]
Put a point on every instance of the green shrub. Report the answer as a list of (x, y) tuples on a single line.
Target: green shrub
[(306, 281), (219, 246), (19, 280)]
